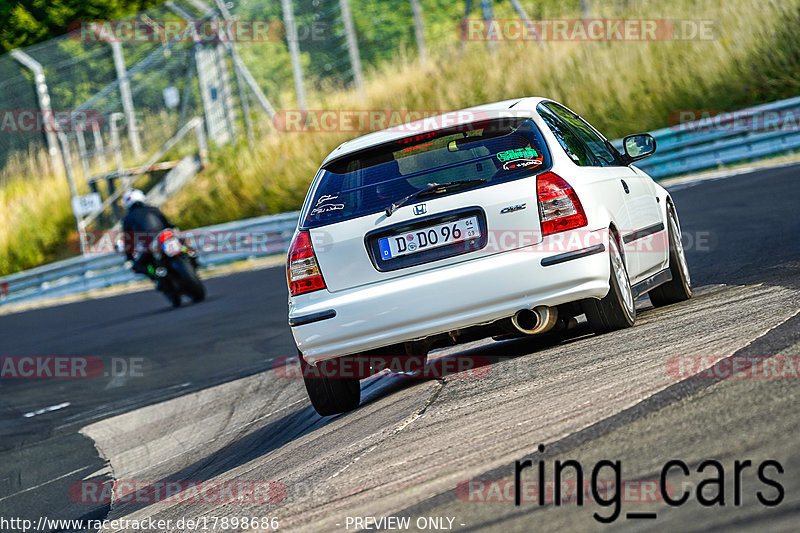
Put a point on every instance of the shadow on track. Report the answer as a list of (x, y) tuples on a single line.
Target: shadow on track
[(304, 421)]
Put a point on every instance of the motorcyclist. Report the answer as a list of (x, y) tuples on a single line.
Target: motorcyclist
[(140, 226)]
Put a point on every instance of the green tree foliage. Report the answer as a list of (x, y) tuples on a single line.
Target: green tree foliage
[(27, 22)]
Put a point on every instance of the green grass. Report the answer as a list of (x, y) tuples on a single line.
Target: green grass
[(621, 87)]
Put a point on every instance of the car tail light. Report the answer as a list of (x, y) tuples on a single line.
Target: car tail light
[(302, 269), (559, 206)]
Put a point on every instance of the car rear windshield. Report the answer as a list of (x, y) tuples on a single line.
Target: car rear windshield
[(369, 181)]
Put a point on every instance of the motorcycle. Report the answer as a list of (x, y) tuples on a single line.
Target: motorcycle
[(175, 266)]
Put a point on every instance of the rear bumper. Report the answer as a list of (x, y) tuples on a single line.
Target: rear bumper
[(440, 300)]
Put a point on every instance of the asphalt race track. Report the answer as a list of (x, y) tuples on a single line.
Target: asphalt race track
[(199, 394)]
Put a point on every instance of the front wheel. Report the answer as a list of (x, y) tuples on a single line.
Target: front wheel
[(330, 395), (175, 299), (616, 310), (173, 293), (680, 288)]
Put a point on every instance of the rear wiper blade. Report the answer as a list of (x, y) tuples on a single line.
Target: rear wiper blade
[(431, 190)]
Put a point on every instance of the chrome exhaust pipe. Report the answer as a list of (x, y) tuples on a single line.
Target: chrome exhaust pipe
[(535, 321)]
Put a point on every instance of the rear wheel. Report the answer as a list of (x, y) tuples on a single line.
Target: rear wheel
[(680, 288), (189, 280), (330, 395), (616, 310)]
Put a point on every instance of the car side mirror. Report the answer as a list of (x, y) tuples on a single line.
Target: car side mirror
[(638, 147)]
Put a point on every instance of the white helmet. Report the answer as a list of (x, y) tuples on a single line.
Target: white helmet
[(132, 196)]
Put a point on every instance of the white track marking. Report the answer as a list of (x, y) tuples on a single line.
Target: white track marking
[(46, 410)]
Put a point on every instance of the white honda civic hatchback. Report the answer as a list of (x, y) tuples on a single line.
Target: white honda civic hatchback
[(507, 219)]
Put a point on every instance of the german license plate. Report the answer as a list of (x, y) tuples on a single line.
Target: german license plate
[(431, 237)]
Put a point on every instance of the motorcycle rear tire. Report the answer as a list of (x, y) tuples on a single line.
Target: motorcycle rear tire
[(189, 280)]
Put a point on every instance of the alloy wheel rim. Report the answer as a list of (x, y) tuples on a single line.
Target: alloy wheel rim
[(678, 244), (622, 278)]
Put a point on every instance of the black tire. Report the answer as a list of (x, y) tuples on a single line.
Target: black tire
[(330, 396), (175, 299), (616, 310), (189, 280), (172, 293), (680, 288)]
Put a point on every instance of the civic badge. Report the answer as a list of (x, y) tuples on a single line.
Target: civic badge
[(512, 208), (419, 209)]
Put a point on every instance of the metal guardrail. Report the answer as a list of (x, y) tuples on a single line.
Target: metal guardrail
[(218, 244), (682, 149), (724, 140)]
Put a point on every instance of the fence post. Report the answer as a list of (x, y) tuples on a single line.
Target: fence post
[(237, 62), (73, 189), (187, 90), (115, 144), (231, 46), (43, 97), (225, 86), (294, 53), (53, 137), (486, 11), (248, 122), (202, 142), (419, 31), (352, 45), (99, 148), (464, 22), (83, 153), (527, 21), (239, 83), (127, 98), (198, 54)]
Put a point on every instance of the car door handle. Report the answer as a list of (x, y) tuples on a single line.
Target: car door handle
[(625, 186)]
